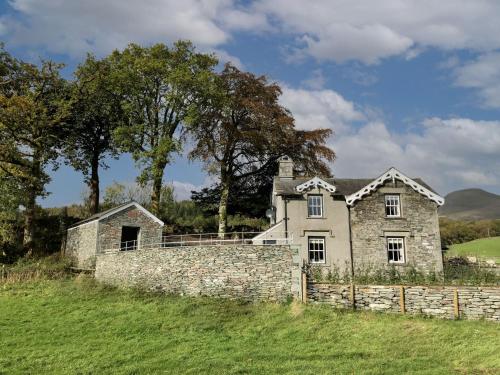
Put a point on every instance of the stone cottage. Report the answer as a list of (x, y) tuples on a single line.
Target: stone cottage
[(125, 227), (355, 224)]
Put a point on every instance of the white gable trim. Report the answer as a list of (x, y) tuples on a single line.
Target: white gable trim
[(394, 174), (121, 208), (315, 182), (138, 206)]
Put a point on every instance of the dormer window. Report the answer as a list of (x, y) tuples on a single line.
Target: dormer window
[(315, 206), (392, 206)]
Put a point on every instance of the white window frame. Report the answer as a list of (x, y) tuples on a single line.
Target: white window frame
[(390, 203), (320, 242), (315, 206), (398, 245)]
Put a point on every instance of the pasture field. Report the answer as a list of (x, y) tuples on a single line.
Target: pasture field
[(484, 248), (74, 325)]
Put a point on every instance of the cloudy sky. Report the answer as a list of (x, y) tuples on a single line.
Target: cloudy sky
[(410, 84)]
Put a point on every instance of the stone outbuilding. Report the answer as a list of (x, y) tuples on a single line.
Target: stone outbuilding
[(126, 227)]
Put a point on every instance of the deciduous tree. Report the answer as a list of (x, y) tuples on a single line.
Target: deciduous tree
[(241, 131), (33, 106), (96, 112), (159, 86)]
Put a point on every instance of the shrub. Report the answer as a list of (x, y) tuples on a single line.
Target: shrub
[(459, 271), (456, 271), (31, 269)]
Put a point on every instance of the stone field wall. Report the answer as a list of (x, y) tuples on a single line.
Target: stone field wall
[(248, 272), (444, 302)]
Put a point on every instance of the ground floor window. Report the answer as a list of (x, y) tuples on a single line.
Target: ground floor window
[(396, 249), (316, 249)]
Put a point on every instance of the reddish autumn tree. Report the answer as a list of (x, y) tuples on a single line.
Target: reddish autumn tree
[(240, 130)]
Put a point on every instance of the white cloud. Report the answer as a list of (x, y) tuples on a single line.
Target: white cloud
[(335, 30), (372, 30), (483, 74), (367, 43), (225, 57), (75, 27), (320, 108), (182, 190), (447, 153), (316, 81), (238, 19)]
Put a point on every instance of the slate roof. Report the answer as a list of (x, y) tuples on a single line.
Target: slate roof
[(345, 186), (101, 214)]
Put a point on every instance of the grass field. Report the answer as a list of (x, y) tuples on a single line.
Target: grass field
[(482, 248), (75, 326)]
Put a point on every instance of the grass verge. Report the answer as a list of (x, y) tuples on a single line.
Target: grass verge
[(78, 326)]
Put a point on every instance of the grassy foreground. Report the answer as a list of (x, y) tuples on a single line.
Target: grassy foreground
[(77, 326), (486, 248)]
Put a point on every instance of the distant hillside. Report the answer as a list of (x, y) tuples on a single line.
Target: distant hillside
[(471, 204)]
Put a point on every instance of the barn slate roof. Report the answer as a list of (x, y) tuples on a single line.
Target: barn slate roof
[(115, 209)]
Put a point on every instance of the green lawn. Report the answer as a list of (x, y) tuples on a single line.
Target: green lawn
[(74, 326), (482, 248)]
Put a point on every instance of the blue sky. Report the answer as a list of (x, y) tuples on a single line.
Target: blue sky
[(410, 84)]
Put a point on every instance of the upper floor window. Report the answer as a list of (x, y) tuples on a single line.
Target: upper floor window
[(316, 249), (392, 206), (314, 205), (396, 249)]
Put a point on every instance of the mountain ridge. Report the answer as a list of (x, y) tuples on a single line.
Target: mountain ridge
[(471, 204)]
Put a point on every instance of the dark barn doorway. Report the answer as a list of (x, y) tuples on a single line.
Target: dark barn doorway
[(130, 238)]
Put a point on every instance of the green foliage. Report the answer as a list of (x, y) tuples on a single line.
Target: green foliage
[(10, 200), (36, 269), (117, 193), (33, 108), (240, 130), (159, 86), (186, 217), (77, 326), (244, 223), (249, 196), (455, 272), (454, 231), (458, 271), (96, 112)]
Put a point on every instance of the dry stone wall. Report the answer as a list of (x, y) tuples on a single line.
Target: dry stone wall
[(81, 244), (248, 272), (473, 302)]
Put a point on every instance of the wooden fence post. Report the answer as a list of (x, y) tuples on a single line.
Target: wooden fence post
[(352, 296), (304, 287), (456, 307), (402, 306)]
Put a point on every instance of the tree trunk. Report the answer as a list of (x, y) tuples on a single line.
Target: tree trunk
[(224, 197), (29, 222), (157, 184), (30, 205), (94, 185)]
